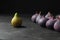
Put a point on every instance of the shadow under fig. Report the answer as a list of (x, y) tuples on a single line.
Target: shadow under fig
[(50, 28), (20, 27)]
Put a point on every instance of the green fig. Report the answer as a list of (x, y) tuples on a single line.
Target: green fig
[(16, 20)]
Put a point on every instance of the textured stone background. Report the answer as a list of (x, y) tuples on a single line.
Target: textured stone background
[(29, 31)]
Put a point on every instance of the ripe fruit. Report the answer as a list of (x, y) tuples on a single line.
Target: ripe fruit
[(42, 21), (33, 18), (50, 23), (57, 24), (16, 20), (48, 15), (38, 17)]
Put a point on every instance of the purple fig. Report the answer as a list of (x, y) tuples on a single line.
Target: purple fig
[(48, 15), (33, 18), (57, 25), (42, 21), (50, 23), (38, 17)]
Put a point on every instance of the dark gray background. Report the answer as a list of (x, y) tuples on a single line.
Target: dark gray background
[(29, 6), (30, 31)]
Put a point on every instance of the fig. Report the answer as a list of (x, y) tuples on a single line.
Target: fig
[(33, 18), (42, 21), (16, 20), (48, 15), (38, 17), (50, 23), (57, 25)]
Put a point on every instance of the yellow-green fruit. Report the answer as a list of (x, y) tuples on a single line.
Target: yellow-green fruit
[(16, 20)]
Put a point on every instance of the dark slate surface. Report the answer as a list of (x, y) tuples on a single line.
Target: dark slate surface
[(30, 31)]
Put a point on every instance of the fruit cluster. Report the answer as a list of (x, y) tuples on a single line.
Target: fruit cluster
[(47, 21)]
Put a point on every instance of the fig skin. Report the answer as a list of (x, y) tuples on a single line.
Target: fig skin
[(42, 21), (50, 23), (16, 20), (48, 15), (57, 25), (38, 17), (33, 18)]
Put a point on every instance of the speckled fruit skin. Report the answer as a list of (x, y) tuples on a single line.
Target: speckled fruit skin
[(57, 25)]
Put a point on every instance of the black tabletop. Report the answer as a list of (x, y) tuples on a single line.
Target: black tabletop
[(28, 31)]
